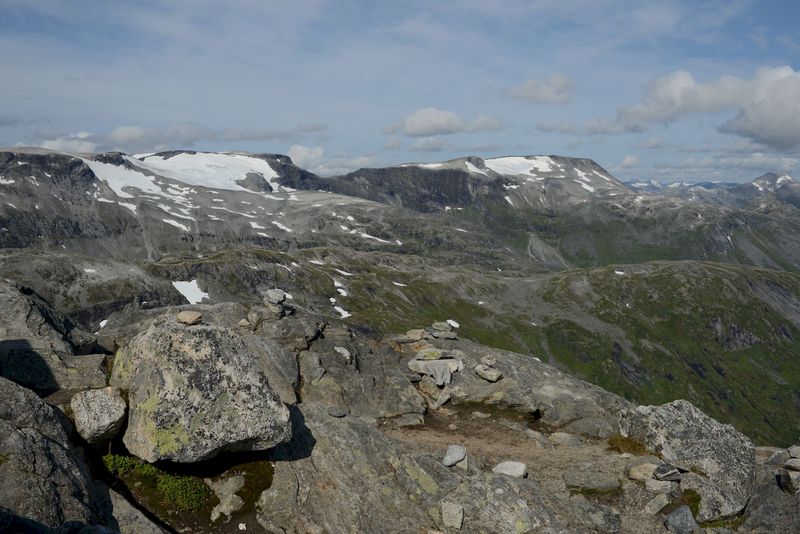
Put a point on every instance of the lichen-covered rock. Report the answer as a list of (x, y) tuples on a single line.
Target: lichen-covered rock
[(682, 433), (98, 413), (40, 477), (194, 392)]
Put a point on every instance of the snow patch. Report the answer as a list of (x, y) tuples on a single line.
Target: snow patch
[(453, 323), (176, 224), (282, 226), (191, 291), (398, 284)]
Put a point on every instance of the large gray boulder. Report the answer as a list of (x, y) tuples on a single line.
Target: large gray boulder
[(345, 475), (38, 345), (195, 391), (41, 478), (723, 456), (98, 413)]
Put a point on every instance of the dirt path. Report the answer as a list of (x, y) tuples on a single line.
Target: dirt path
[(502, 437)]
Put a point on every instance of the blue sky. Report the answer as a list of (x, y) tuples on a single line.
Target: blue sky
[(673, 90)]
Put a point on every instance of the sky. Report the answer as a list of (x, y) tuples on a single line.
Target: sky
[(671, 90)]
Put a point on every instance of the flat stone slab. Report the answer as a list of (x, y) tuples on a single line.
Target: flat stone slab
[(512, 469)]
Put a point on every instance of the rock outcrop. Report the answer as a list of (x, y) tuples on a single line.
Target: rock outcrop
[(196, 391), (723, 458), (41, 478)]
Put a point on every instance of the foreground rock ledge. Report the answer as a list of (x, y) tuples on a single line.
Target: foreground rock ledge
[(195, 392)]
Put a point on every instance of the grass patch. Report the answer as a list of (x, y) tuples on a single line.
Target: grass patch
[(177, 492), (621, 444)]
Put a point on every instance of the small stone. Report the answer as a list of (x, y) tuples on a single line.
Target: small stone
[(455, 453), (98, 413), (480, 415), (642, 472), (344, 353), (189, 317), (667, 472), (489, 361), (430, 354), (442, 326), (512, 469), (657, 504), (438, 334), (244, 323), (451, 426), (463, 464), (793, 464), (659, 486), (490, 374), (242, 526), (416, 334), (452, 515), (335, 411), (275, 296), (794, 451), (681, 521)]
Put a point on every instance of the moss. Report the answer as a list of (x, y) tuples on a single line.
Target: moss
[(173, 492), (621, 444)]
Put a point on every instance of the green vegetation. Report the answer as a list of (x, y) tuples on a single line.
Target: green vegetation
[(622, 444), (178, 492)]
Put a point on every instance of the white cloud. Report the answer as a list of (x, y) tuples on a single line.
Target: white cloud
[(431, 121), (767, 107), (429, 144), (315, 160), (133, 139), (629, 161), (306, 157), (77, 142), (555, 90)]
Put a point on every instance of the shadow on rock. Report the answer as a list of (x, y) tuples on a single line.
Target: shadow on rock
[(301, 444), (21, 363)]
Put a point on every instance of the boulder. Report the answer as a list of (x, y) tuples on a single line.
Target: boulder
[(656, 504), (793, 464), (682, 433), (455, 454), (452, 515), (189, 317), (275, 296), (41, 478), (441, 371), (715, 502), (512, 469), (681, 521), (195, 392), (442, 326), (771, 509), (416, 334), (794, 451), (127, 519), (98, 413)]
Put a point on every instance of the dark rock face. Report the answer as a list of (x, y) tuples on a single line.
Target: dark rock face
[(40, 477), (255, 182), (38, 345), (771, 509), (195, 391)]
